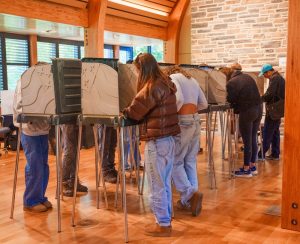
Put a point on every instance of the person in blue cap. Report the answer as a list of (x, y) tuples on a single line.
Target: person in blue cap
[(275, 91)]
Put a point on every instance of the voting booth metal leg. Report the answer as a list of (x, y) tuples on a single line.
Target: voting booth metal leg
[(98, 165), (58, 173), (212, 175), (16, 173), (236, 139), (76, 170), (221, 116), (101, 176), (122, 163), (229, 141)]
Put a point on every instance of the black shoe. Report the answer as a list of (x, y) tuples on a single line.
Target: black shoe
[(111, 176), (68, 188), (270, 157)]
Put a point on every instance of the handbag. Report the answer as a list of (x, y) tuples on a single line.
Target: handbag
[(276, 109)]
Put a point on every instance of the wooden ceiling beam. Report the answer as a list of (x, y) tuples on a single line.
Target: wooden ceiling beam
[(175, 21), (151, 5), (44, 10), (163, 2), (132, 27), (136, 17), (72, 3), (137, 11)]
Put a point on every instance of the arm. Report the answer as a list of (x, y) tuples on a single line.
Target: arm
[(231, 93), (178, 94), (202, 102), (141, 105), (271, 91)]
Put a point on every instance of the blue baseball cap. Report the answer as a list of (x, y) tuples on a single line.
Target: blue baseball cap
[(265, 68)]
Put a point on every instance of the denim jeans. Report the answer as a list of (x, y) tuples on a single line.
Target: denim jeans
[(135, 148), (271, 135), (184, 173), (249, 121), (109, 150), (36, 169), (70, 140), (159, 157)]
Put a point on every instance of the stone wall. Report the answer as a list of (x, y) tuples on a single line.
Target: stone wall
[(251, 32)]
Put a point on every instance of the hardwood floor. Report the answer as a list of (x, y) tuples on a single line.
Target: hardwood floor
[(234, 213)]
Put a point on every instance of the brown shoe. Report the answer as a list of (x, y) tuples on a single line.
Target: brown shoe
[(196, 203), (159, 231), (47, 204), (36, 209), (180, 206)]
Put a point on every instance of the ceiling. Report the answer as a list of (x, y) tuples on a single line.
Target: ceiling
[(27, 26)]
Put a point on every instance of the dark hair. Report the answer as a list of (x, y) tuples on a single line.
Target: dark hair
[(176, 69), (149, 71)]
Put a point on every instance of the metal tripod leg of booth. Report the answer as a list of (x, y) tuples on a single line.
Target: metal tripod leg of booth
[(229, 141), (76, 170), (16, 173), (212, 175), (58, 173), (98, 166)]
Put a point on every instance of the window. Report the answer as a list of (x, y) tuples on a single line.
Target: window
[(46, 51), (108, 51), (126, 53), (14, 58), (68, 51), (156, 50), (49, 48)]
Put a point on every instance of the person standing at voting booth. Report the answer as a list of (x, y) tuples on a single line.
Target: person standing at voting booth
[(34, 139), (244, 98), (274, 99), (70, 142), (155, 107), (190, 100)]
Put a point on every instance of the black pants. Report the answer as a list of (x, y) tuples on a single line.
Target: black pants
[(249, 121), (271, 135)]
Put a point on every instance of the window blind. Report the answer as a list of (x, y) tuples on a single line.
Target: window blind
[(46, 51), (17, 60), (68, 51)]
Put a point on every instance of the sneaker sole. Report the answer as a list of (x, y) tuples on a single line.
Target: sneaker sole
[(34, 211), (244, 176), (254, 173), (198, 208)]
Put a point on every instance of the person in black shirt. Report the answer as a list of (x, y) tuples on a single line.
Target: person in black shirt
[(275, 91), (244, 98)]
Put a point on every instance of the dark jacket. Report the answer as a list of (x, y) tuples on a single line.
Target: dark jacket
[(156, 107), (242, 92), (276, 89)]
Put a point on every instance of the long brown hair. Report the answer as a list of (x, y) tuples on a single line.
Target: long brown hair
[(149, 71), (176, 69)]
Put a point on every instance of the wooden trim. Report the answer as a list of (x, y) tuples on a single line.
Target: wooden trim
[(94, 34), (291, 157), (175, 21), (72, 3), (33, 49), (136, 17), (137, 11), (45, 11), (152, 5), (131, 27), (116, 51)]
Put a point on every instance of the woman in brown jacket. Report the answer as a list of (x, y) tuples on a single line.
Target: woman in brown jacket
[(155, 106)]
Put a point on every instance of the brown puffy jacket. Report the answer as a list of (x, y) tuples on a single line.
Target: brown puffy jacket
[(156, 107)]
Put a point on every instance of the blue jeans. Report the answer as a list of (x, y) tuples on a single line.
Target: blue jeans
[(127, 145), (249, 121), (159, 157), (271, 135), (36, 170), (184, 172)]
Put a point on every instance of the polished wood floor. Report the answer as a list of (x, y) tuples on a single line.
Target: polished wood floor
[(234, 213)]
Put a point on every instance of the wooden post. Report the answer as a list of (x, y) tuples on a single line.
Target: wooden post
[(290, 214), (116, 51), (33, 49), (175, 21), (94, 34)]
